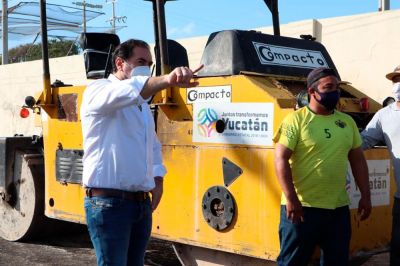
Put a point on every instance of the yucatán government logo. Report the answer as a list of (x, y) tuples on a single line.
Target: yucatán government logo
[(206, 119), (288, 56)]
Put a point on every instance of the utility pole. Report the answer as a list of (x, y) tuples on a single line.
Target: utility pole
[(4, 22), (114, 18), (84, 16), (84, 5), (384, 5)]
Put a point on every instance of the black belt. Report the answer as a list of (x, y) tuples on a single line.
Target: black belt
[(116, 193)]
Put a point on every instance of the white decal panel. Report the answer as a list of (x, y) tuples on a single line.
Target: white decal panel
[(287, 56), (379, 183), (209, 94), (245, 123)]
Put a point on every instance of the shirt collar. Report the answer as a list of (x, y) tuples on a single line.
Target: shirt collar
[(396, 106), (113, 78)]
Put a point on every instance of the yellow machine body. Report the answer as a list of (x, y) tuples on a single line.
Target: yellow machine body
[(194, 167), (264, 75), (63, 200)]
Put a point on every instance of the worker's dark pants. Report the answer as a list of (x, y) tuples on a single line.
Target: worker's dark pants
[(119, 229), (329, 229), (395, 243)]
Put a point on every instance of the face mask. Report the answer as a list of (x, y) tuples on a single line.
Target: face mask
[(396, 90), (328, 99), (141, 71)]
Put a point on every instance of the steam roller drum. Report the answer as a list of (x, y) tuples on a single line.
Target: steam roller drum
[(22, 212)]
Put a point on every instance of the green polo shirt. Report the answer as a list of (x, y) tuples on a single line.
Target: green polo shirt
[(320, 146)]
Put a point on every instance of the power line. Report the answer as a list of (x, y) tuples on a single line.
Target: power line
[(115, 18), (84, 5)]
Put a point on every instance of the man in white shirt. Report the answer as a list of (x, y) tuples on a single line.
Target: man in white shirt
[(384, 127), (122, 155)]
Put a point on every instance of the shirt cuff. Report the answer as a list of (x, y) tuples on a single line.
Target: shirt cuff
[(138, 83), (159, 170)]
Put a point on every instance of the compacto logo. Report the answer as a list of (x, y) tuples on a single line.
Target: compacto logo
[(209, 94), (288, 56), (206, 119)]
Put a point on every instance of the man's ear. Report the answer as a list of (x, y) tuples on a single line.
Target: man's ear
[(311, 93), (118, 63)]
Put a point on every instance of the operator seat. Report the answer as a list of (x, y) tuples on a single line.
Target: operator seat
[(177, 54), (96, 48)]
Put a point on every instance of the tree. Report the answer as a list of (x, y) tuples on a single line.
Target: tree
[(29, 52)]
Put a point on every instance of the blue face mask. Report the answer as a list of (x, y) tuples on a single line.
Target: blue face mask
[(141, 71), (328, 99)]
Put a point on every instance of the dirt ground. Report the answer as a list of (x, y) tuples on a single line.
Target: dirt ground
[(76, 249)]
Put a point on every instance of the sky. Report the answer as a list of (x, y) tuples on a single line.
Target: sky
[(190, 18)]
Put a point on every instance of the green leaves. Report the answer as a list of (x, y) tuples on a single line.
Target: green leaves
[(29, 52)]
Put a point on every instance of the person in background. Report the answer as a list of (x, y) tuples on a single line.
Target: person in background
[(313, 147), (387, 101), (385, 127), (122, 155)]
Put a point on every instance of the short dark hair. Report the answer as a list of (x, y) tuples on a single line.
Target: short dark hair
[(387, 101), (314, 85), (318, 73), (125, 50)]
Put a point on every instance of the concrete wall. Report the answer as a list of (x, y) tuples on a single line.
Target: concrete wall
[(363, 47), (22, 79)]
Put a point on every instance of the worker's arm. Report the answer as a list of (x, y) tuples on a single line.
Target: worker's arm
[(359, 168), (157, 192), (294, 210), (159, 171), (179, 77), (372, 134), (104, 96)]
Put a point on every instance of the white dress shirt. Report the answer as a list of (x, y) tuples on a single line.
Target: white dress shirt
[(121, 148), (385, 126)]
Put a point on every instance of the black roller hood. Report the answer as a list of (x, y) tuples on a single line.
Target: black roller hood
[(233, 51)]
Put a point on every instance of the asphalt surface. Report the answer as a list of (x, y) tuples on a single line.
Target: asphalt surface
[(73, 248), (76, 249)]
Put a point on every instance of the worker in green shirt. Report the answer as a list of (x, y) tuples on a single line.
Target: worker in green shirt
[(313, 147)]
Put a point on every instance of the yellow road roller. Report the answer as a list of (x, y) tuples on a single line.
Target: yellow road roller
[(221, 199)]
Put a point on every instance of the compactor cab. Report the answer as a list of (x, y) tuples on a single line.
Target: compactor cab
[(97, 51), (232, 52), (222, 196)]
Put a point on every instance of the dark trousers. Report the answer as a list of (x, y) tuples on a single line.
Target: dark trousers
[(329, 229), (395, 242), (119, 229)]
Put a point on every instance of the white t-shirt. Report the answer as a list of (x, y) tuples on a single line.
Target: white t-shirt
[(385, 126)]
